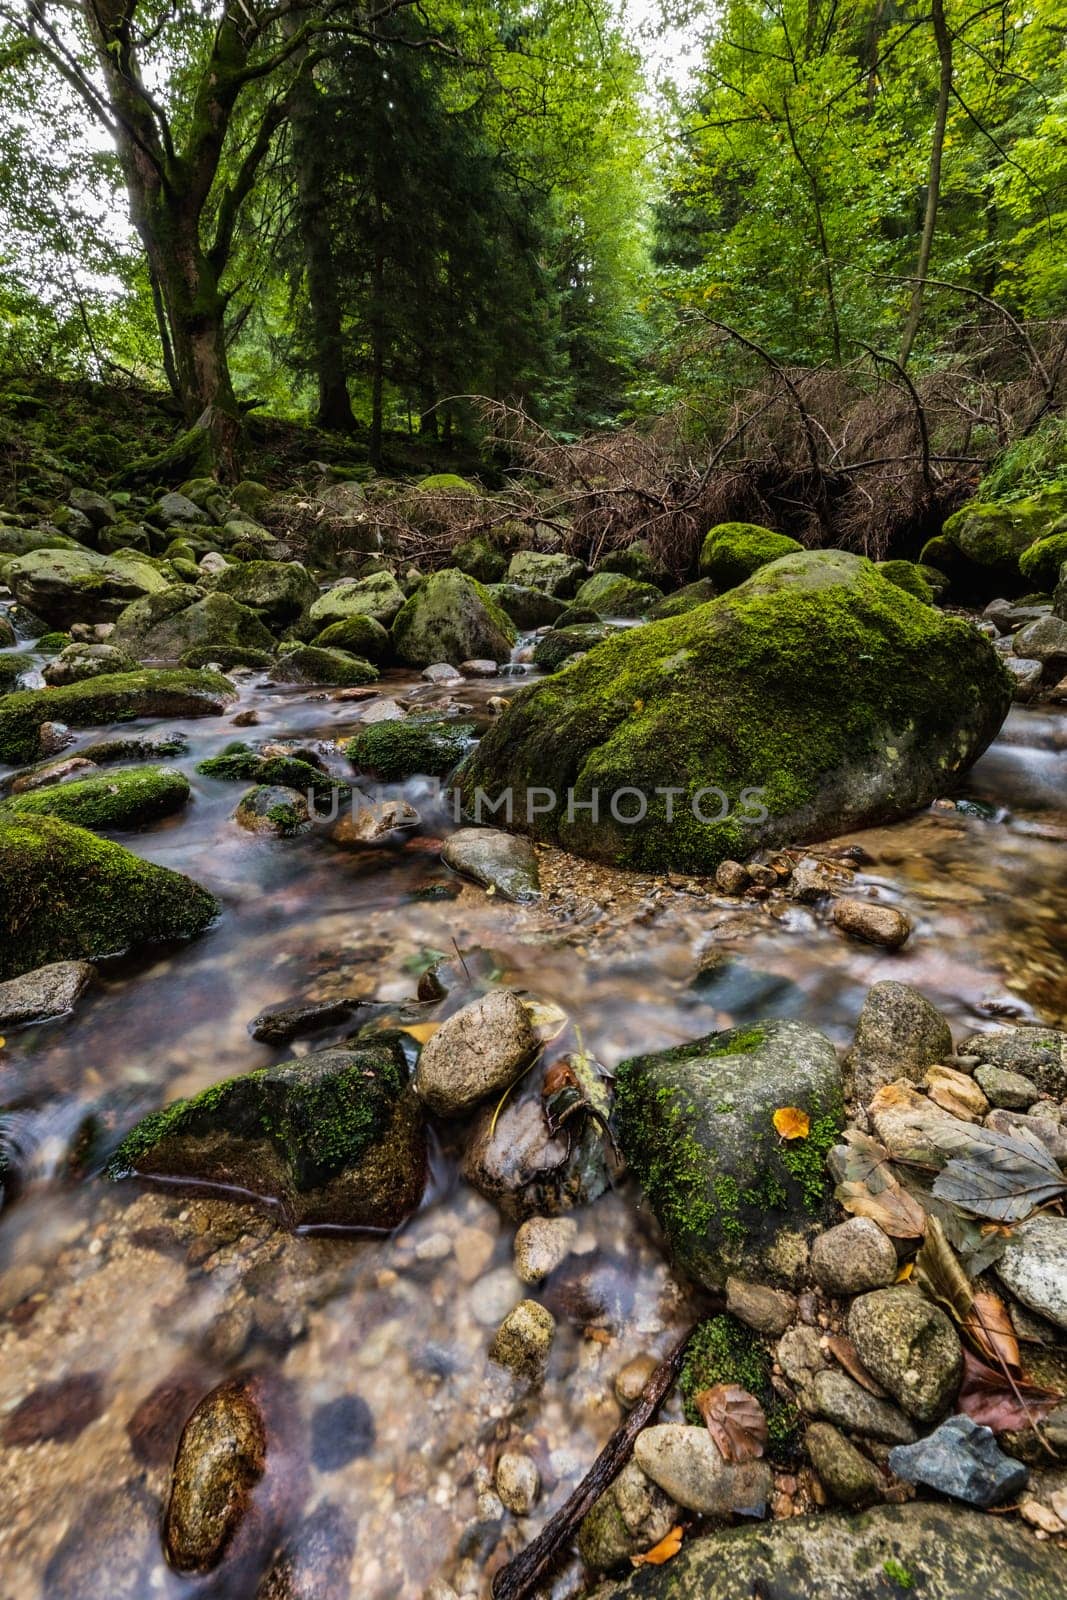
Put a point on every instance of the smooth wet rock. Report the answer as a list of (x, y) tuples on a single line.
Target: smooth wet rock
[(1034, 1266), (846, 1474), (541, 1245), (685, 1463), (342, 1430), (765, 656), (278, 1024), (961, 1459), (631, 1516), (503, 862), (841, 1400), (76, 662), (49, 992), (853, 1257), (271, 810), (221, 1457), (899, 1034), (872, 923), (630, 1380), (65, 586), (941, 1552), (1038, 1053), (110, 900), (1044, 640), (334, 1138), (695, 1124), (523, 1341), (1008, 1091), (475, 1053), (441, 672), (910, 1347), (371, 823), (518, 1482), (769, 1311)]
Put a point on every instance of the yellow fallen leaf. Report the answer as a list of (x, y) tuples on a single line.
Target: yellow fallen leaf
[(791, 1122), (2, 1043), (546, 1018), (421, 1031), (905, 1272), (668, 1546)]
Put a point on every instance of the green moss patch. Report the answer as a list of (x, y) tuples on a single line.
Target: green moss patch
[(723, 1350), (733, 551), (114, 697), (1043, 562), (125, 799), (396, 750)]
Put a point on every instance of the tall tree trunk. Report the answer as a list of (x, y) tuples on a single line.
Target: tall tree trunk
[(378, 339), (933, 189), (335, 406)]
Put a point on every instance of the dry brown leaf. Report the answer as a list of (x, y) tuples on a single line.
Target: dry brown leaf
[(1000, 1401), (791, 1123), (844, 1352), (668, 1546), (1040, 1516), (983, 1317), (989, 1326), (421, 1031), (872, 1189), (735, 1421)]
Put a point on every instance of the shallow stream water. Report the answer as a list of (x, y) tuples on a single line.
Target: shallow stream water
[(115, 1290)]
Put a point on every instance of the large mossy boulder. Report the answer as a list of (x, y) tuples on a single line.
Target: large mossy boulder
[(452, 618), (65, 586), (392, 751), (911, 577), (378, 595), (21, 541), (814, 698), (76, 662), (480, 558), (696, 1125), (115, 697), (360, 636), (126, 799), (314, 665), (733, 551), (980, 546), (68, 895), (335, 1138), (610, 594), (527, 608), (557, 575), (1042, 563), (168, 625), (279, 592), (934, 1551)]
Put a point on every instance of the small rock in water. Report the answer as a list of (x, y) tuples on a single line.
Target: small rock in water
[(872, 923), (767, 1310), (52, 737), (222, 1455), (45, 993), (810, 881), (962, 1459), (518, 1482), (1009, 1091), (71, 767), (58, 1411), (280, 1023), (385, 710), (840, 1399), (731, 877), (506, 863), (477, 1052), (107, 1550), (685, 1462), (479, 669), (910, 1347), (270, 810), (493, 1296), (342, 1430), (1034, 1266), (541, 1244), (441, 672), (853, 1257), (631, 1379), (845, 1473), (370, 823), (523, 1340)]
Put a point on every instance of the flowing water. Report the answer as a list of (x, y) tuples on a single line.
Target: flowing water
[(112, 1291)]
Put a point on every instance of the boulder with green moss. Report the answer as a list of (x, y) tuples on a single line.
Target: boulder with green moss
[(76, 662), (21, 541), (815, 698), (117, 697), (396, 750), (560, 644), (527, 608), (8, 636), (126, 799), (696, 1125), (911, 577), (69, 895), (556, 575), (360, 636), (13, 663), (733, 551), (452, 618), (279, 592), (610, 594), (1041, 564), (312, 664), (65, 586), (181, 618), (980, 546), (635, 561), (448, 483), (682, 600), (274, 810), (480, 558), (376, 595), (335, 1139), (239, 763)]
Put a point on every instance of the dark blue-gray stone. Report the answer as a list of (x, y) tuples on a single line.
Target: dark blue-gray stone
[(963, 1459)]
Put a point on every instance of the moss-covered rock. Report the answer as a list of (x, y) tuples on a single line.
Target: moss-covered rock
[(125, 799), (1040, 565), (723, 1350), (377, 595), (117, 697), (909, 576), (8, 636), (65, 586), (635, 561), (336, 1139), (696, 1127), (360, 636), (239, 763), (279, 592), (556, 575), (76, 662), (271, 809), (168, 625), (560, 644), (610, 594), (227, 657), (312, 664), (527, 608), (980, 546), (13, 664), (733, 551), (68, 895), (817, 693), (480, 558), (448, 483), (452, 618), (21, 541), (683, 600), (396, 750)]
